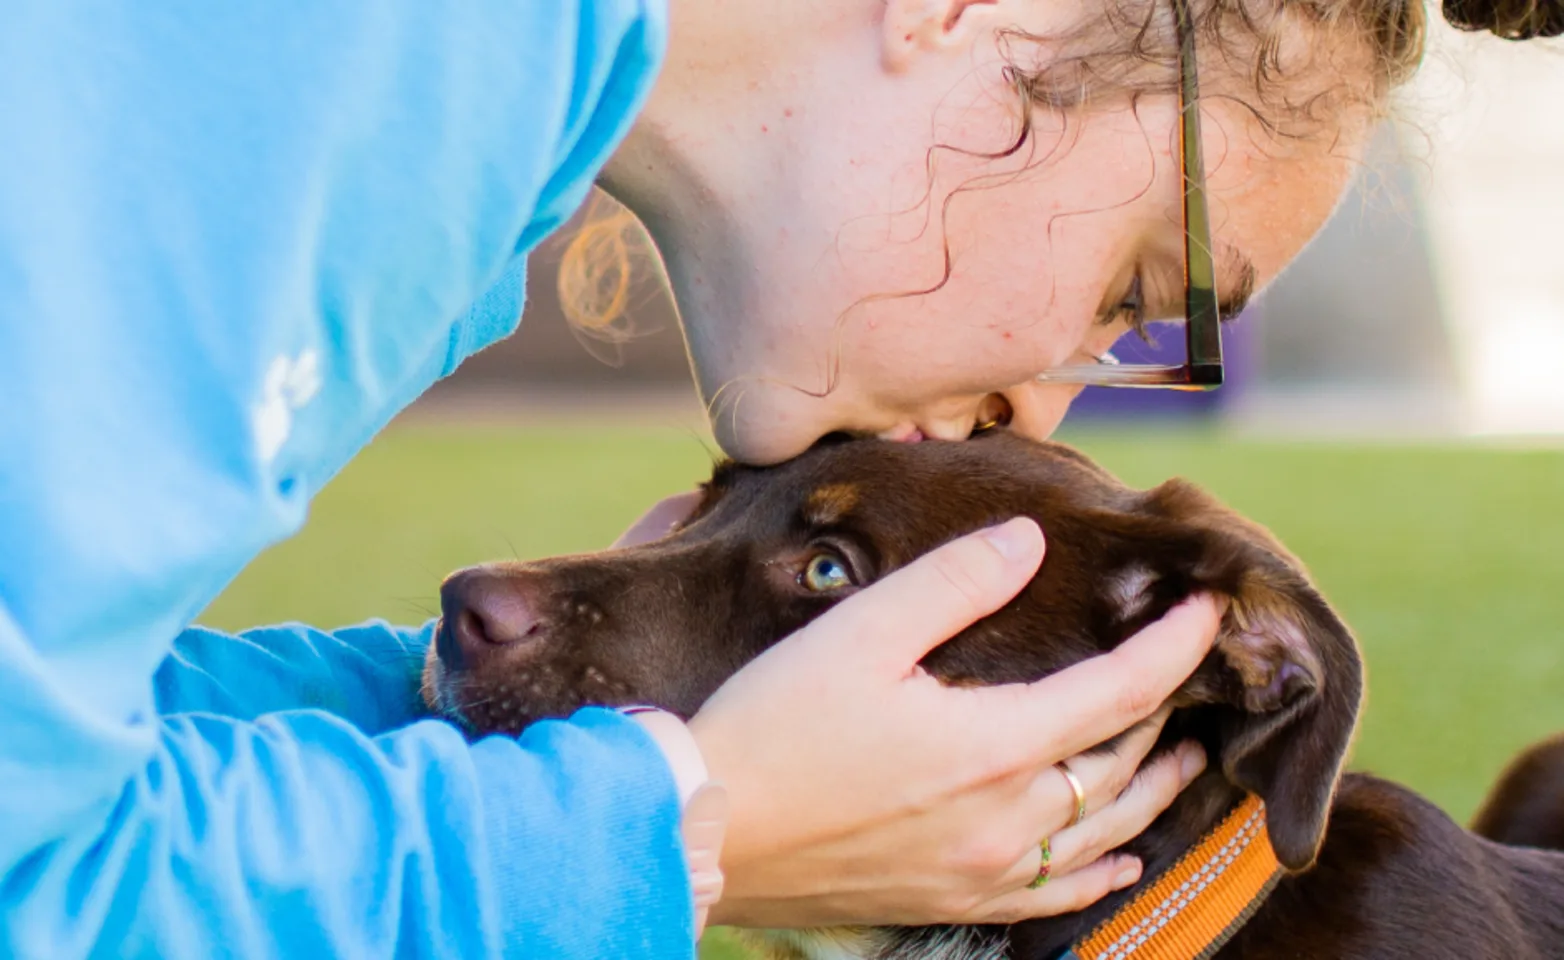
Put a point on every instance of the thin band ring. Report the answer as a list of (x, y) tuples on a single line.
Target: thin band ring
[(1046, 868), (1077, 789)]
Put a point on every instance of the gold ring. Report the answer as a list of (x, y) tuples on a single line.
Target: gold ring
[(1046, 868), (1077, 789)]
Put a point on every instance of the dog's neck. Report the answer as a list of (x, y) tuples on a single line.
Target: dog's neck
[(1193, 909), (1180, 829), (1199, 809)]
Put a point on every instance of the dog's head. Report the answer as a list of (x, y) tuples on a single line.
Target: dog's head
[(770, 549)]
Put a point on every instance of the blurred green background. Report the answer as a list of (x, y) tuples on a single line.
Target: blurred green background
[(1447, 560)]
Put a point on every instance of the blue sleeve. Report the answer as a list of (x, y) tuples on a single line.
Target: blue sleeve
[(299, 836), (234, 241), (369, 674)]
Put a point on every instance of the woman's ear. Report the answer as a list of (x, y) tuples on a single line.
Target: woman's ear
[(916, 27)]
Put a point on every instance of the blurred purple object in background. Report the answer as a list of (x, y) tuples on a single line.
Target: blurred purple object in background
[(1116, 403)]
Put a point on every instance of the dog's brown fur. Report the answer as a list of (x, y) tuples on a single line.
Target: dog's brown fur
[(1526, 808), (1275, 703)]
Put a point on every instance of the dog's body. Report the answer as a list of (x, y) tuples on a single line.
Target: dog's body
[(1526, 808), (1275, 704)]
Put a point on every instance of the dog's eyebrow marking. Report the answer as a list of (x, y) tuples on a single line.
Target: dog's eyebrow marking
[(1128, 587), (830, 503)]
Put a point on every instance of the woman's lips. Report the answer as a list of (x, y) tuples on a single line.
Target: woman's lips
[(903, 434)]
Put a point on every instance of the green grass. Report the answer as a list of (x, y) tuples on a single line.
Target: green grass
[(1448, 562)]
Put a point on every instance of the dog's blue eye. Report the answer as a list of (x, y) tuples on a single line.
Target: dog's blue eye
[(825, 572)]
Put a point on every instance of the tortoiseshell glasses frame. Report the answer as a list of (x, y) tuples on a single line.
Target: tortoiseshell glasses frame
[(1202, 367)]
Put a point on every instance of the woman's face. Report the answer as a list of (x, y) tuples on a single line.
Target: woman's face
[(800, 231)]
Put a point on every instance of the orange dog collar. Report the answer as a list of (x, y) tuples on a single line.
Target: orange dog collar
[(1197, 905)]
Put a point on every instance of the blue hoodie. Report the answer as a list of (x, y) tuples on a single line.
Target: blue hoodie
[(235, 240)]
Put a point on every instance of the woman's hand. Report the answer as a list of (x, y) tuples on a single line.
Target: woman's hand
[(864, 791)]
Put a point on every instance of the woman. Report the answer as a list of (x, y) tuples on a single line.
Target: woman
[(234, 245)]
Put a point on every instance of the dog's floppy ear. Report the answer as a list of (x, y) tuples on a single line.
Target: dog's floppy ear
[(1283, 661), (1292, 671)]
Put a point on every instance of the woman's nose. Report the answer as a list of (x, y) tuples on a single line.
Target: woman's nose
[(1037, 409)]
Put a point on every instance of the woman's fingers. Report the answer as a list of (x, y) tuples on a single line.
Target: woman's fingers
[(920, 606), (1084, 705), (1150, 792), (1104, 774), (1061, 894), (1079, 873), (958, 840)]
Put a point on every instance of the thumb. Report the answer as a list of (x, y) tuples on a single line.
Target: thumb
[(930, 600)]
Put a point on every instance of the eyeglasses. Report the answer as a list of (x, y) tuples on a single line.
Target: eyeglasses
[(1202, 367)]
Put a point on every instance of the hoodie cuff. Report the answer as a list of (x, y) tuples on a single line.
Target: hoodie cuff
[(583, 825)]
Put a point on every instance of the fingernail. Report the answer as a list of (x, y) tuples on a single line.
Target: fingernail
[(1192, 760), (1015, 540), (1127, 874)]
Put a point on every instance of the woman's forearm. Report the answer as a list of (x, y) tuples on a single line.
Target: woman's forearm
[(296, 835), (367, 674)]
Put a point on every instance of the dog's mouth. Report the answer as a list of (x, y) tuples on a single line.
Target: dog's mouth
[(510, 700), (509, 651), (442, 685)]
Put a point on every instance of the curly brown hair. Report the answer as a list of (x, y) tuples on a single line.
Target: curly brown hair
[(1510, 19), (1128, 49)]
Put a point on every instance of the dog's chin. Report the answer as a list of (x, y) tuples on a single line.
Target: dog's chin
[(433, 689), (508, 704), (483, 713), (450, 698)]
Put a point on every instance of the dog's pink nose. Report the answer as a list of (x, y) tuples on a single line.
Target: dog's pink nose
[(484, 610)]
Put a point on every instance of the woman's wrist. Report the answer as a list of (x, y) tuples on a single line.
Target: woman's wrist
[(703, 804)]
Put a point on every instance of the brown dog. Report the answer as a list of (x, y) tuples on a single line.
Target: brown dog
[(1275, 704)]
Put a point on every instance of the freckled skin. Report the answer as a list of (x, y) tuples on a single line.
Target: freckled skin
[(832, 329)]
